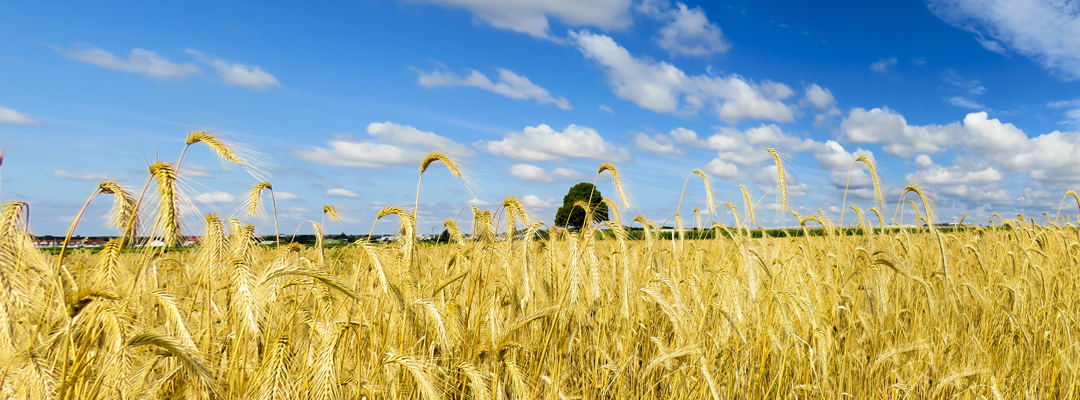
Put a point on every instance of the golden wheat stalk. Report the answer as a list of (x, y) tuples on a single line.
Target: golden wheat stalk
[(927, 201), (514, 209), (455, 233), (123, 210), (247, 159), (877, 185), (71, 228), (253, 203), (406, 232), (3, 154), (1067, 194), (123, 206), (451, 164), (330, 211), (749, 204), (168, 217), (619, 187), (781, 177)]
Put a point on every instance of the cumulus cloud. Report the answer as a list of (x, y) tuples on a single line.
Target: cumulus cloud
[(215, 197), (688, 32), (532, 16), (972, 183), (339, 192), (533, 201), (530, 173), (1043, 30), (12, 117), (747, 147), (882, 66), (661, 87), (890, 129), (139, 61), (818, 97), (394, 144), (955, 175), (723, 169), (606, 109), (667, 143), (249, 76), (1043, 157), (819, 119), (741, 151), (86, 176), (510, 85), (658, 144), (541, 143)]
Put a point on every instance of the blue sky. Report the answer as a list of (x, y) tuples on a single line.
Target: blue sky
[(975, 100)]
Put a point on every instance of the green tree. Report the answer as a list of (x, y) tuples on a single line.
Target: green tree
[(574, 217)]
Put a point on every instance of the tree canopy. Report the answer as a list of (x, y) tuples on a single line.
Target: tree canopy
[(574, 217)]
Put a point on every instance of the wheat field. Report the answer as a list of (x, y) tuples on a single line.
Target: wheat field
[(982, 312)]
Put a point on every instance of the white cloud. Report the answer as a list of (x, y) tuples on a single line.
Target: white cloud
[(666, 143), (661, 87), (12, 117), (531, 16), (285, 196), (658, 144), (88, 176), (606, 109), (215, 197), (923, 161), (530, 173), (1043, 30), (339, 192), (819, 119), (955, 175), (882, 66), (968, 182), (964, 103), (689, 33), (723, 169), (479, 203), (818, 97), (686, 137), (568, 174), (139, 61), (394, 144), (1045, 157), (532, 201), (510, 85), (251, 77), (833, 157), (541, 143), (890, 129)]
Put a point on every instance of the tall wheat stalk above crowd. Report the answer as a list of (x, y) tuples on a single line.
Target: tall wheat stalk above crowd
[(526, 310)]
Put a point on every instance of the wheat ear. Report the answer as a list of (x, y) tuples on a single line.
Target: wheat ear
[(877, 185), (450, 163), (168, 218), (619, 187), (781, 177)]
